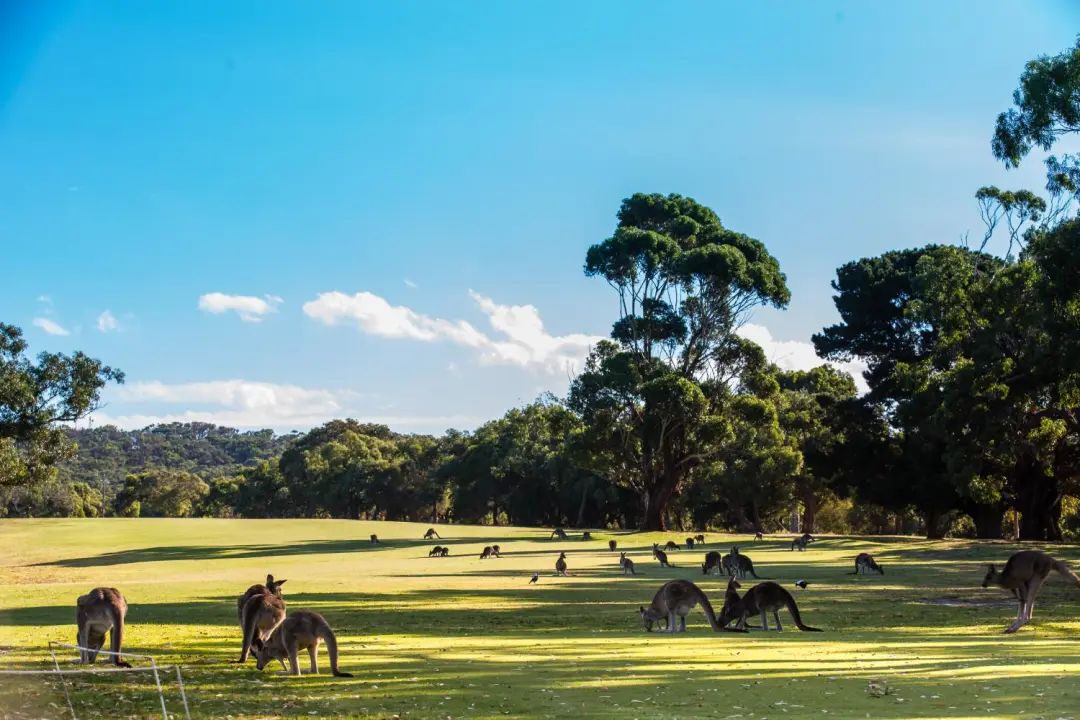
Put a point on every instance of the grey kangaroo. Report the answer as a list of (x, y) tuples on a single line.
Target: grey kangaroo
[(1023, 574), (560, 565), (100, 611), (761, 599), (431, 533), (272, 587), (739, 565), (612, 545), (435, 551), (673, 602), (260, 616), (301, 631), (660, 555), (689, 543), (712, 563), (865, 563), (626, 564)]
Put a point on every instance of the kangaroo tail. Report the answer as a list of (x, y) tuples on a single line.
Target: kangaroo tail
[(1065, 572), (248, 621), (117, 635), (708, 608), (794, 610), (331, 650), (750, 567)]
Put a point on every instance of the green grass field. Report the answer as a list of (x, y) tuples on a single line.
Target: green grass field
[(465, 638)]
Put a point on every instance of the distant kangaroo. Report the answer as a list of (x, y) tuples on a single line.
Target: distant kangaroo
[(496, 551), (700, 539), (612, 545), (626, 564), (558, 533), (272, 587), (586, 535), (660, 555), (1024, 574), (673, 602), (738, 565), (487, 552), (560, 565), (800, 543), (712, 562), (758, 536), (435, 551), (431, 533), (865, 563), (672, 545), (100, 611), (301, 631), (761, 599), (689, 543), (374, 539)]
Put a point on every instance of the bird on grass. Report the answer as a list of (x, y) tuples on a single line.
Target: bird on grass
[(801, 584), (535, 578)]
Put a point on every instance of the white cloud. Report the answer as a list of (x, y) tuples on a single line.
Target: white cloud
[(526, 342), (249, 307), (249, 404), (52, 328), (106, 322), (45, 299), (410, 284), (797, 355)]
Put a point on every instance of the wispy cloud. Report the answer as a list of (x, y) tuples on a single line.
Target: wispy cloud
[(107, 322), (248, 307), (524, 341), (410, 284), (797, 355), (49, 326)]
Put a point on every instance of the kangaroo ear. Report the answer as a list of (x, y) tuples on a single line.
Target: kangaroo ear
[(281, 582), (641, 609), (269, 579)]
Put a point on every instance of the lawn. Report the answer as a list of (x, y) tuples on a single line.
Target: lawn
[(463, 638)]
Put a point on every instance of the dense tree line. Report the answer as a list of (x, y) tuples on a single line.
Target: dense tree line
[(972, 417)]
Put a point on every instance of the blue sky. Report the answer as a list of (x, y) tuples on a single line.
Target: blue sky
[(294, 211)]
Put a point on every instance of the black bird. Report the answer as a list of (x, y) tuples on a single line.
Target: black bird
[(535, 578), (801, 584)]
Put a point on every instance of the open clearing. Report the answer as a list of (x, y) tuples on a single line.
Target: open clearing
[(463, 638)]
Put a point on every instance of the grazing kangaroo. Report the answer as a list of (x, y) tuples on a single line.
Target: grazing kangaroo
[(672, 545), (558, 533), (626, 564), (272, 586), (800, 543), (586, 535), (496, 551), (261, 615), (435, 551), (865, 563), (560, 565), (487, 552), (445, 552), (761, 599), (712, 562), (689, 543), (100, 611), (301, 631), (673, 602), (374, 539), (431, 533), (660, 555), (700, 539), (740, 564), (612, 545), (758, 536), (1024, 573)]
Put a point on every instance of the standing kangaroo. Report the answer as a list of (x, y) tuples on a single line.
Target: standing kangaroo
[(487, 552), (672, 545), (738, 565), (374, 539), (272, 587), (761, 599), (612, 545), (301, 631), (689, 543), (712, 562), (560, 565), (700, 539), (800, 543), (660, 555), (626, 564), (259, 618), (673, 602), (100, 611), (431, 533), (1024, 574), (865, 563)]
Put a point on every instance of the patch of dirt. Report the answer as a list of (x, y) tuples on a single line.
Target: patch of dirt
[(967, 602)]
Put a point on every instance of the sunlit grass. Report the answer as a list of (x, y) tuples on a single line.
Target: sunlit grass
[(464, 638)]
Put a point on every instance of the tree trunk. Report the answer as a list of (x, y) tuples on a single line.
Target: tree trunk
[(988, 520), (1038, 500), (656, 502), (584, 504), (810, 508), (935, 529)]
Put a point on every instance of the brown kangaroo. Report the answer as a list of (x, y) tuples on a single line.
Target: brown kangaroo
[(761, 599), (272, 587), (865, 563), (435, 551), (700, 539), (1024, 574), (487, 552), (712, 562), (261, 615), (431, 533), (660, 555), (672, 545), (673, 602), (374, 539), (626, 564), (301, 631), (560, 564), (612, 545), (100, 611)]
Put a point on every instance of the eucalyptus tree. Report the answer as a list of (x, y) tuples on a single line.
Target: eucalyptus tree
[(652, 399)]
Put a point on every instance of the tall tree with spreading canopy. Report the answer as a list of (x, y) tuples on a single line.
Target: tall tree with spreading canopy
[(684, 283)]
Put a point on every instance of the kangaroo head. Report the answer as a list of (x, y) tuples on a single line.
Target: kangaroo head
[(264, 654), (990, 577), (704, 569), (274, 586), (733, 584), (647, 618)]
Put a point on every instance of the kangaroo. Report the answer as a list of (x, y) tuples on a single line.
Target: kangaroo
[(496, 551), (1024, 573), (431, 533), (586, 535), (626, 564), (761, 599), (660, 555), (272, 586), (689, 543), (558, 533), (435, 551), (700, 539), (865, 563), (445, 552), (560, 565), (712, 562), (374, 539), (740, 564), (673, 602), (301, 631), (260, 617), (612, 545), (808, 537), (100, 611), (486, 552), (672, 545), (800, 543), (758, 536)]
